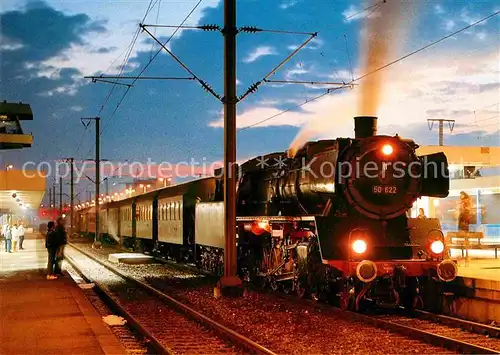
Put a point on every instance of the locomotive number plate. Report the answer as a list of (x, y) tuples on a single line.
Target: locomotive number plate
[(384, 190)]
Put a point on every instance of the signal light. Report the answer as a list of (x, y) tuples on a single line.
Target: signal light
[(437, 247), (359, 246), (387, 149)]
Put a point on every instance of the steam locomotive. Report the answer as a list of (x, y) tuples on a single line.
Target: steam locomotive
[(330, 222)]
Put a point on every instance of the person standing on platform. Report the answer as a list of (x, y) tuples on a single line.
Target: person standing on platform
[(8, 239), (4, 229), (60, 232), (20, 231), (465, 211), (15, 238), (51, 245)]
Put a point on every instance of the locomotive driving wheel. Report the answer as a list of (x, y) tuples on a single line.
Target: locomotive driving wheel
[(347, 299), (301, 288), (287, 287)]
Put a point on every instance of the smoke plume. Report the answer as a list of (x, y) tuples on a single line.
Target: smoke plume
[(386, 24), (381, 40)]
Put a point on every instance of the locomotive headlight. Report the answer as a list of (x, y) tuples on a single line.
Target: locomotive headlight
[(263, 224), (359, 246), (387, 149), (437, 247)]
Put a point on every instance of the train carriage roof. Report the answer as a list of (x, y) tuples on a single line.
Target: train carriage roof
[(192, 187)]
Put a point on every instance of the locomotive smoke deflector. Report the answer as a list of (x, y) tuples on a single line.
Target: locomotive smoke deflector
[(365, 126)]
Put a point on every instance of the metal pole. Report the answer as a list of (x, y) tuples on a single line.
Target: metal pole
[(441, 133), (230, 279), (72, 197), (60, 197), (54, 196), (97, 241), (50, 200)]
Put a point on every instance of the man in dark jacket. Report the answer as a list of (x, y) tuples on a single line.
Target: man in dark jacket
[(60, 233), (51, 245)]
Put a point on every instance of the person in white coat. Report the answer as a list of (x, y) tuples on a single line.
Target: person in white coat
[(20, 231), (15, 238)]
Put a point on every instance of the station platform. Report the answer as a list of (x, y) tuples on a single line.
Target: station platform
[(482, 269), (40, 316)]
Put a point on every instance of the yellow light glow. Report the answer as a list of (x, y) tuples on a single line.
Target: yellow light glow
[(263, 224), (437, 247), (359, 246), (387, 149)]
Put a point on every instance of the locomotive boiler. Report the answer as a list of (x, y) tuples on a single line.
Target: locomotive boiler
[(333, 219)]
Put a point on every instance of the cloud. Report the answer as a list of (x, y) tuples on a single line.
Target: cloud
[(76, 108), (315, 43), (449, 25), (10, 45), (415, 90), (287, 4), (59, 30), (354, 13), (299, 69), (259, 52), (481, 35), (438, 9), (106, 48)]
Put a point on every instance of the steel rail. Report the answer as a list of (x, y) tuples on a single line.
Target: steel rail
[(118, 308), (468, 325), (224, 331), (412, 332), (428, 337)]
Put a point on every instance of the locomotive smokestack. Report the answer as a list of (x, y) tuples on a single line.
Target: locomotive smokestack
[(365, 126)]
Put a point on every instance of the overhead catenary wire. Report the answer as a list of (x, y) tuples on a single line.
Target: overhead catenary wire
[(371, 7), (147, 65), (124, 63), (330, 90)]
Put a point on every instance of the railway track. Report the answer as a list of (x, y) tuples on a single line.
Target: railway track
[(448, 332), (453, 333), (170, 326), (443, 331)]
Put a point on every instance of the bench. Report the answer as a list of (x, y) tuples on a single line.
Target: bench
[(475, 247), (463, 238)]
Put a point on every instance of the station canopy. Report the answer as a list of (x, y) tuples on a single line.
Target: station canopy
[(466, 155), (20, 191)]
